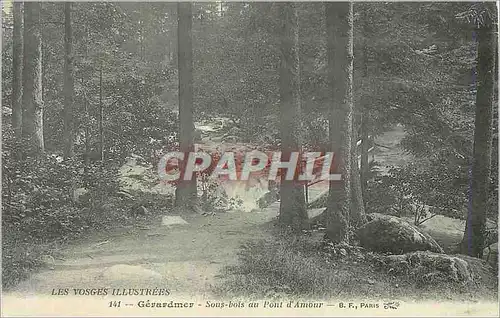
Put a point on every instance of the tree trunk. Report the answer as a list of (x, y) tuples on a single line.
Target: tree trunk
[(69, 90), (32, 80), (87, 121), (292, 204), (357, 212), (339, 22), (87, 133), (186, 191), (17, 58), (365, 146), (473, 241), (360, 167), (101, 119)]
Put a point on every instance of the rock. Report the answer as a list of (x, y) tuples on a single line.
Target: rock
[(490, 254), (393, 235), (48, 261), (172, 220), (80, 195), (429, 267)]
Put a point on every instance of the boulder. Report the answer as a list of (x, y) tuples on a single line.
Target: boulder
[(388, 234), (429, 267)]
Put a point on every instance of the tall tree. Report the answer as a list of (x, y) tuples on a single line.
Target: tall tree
[(101, 117), (186, 191), (357, 213), (339, 32), (292, 205), (365, 145), (17, 53), (32, 130), (486, 33), (69, 89)]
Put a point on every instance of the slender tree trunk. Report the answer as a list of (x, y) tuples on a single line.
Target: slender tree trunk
[(365, 145), (473, 241), (86, 155), (186, 191), (339, 21), (357, 212), (17, 60), (32, 80), (69, 90), (87, 135), (101, 119), (292, 204), (141, 31)]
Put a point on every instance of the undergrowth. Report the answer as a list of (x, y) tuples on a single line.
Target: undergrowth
[(287, 265)]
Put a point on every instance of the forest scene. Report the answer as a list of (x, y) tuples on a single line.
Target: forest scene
[(405, 95)]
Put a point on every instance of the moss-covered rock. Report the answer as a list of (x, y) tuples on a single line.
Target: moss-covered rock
[(388, 234), (429, 267)]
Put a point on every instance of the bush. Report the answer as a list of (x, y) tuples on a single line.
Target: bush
[(213, 197), (39, 207), (417, 190)]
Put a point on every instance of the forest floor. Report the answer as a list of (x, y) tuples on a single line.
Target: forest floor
[(191, 257)]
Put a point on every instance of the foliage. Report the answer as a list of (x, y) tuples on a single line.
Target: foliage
[(213, 196), (39, 206), (418, 190)]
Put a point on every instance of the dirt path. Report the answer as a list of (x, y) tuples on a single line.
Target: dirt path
[(188, 256)]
